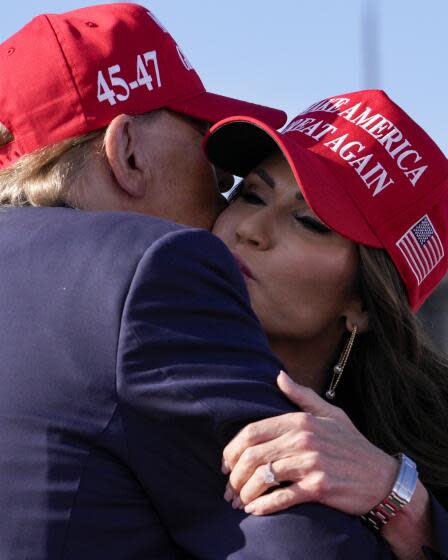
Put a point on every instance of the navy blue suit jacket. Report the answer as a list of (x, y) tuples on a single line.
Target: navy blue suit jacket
[(129, 356)]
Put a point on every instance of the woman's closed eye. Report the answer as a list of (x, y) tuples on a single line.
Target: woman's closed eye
[(311, 223), (250, 196)]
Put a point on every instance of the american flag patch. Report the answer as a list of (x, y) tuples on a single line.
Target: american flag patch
[(422, 248)]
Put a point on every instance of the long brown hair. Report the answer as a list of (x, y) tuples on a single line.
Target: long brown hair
[(396, 389)]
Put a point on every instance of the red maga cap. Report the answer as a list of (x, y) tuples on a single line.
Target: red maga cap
[(65, 75), (366, 169)]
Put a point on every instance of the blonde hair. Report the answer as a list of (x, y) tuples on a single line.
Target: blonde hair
[(46, 177)]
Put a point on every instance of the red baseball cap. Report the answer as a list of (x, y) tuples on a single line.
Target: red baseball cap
[(65, 75), (366, 169)]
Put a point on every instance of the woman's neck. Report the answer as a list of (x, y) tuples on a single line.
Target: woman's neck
[(307, 362)]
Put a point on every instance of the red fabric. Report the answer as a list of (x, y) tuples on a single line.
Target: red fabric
[(51, 87)]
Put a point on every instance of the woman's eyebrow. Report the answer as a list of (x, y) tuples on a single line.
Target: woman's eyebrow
[(264, 176)]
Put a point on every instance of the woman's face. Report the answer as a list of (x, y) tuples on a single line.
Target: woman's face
[(301, 276)]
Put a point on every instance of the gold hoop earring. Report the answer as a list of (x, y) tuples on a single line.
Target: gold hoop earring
[(339, 367)]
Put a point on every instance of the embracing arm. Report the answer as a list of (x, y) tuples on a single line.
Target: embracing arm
[(193, 368), (329, 461)]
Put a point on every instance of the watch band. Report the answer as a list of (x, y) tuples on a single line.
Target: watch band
[(400, 495)]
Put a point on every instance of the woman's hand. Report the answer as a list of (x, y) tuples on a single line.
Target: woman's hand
[(319, 451), (327, 460)]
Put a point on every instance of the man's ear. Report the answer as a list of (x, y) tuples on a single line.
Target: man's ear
[(357, 315), (121, 145)]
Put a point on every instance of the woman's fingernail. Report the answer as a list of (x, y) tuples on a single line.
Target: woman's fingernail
[(228, 494), (236, 503), (250, 508), (288, 379), (225, 468)]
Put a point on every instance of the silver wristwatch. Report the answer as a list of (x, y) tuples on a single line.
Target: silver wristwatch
[(399, 496)]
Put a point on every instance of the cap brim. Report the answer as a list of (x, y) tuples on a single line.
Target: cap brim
[(239, 144), (212, 108)]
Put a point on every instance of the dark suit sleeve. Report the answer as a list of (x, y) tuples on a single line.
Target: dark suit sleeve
[(194, 367), (439, 518)]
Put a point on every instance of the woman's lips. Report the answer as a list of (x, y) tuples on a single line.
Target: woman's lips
[(243, 266)]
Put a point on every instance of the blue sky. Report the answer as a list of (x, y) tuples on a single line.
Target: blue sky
[(290, 53)]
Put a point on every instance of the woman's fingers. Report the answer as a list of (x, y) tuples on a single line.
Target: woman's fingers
[(284, 470), (271, 428), (306, 399), (254, 458), (343, 471), (278, 500), (255, 434)]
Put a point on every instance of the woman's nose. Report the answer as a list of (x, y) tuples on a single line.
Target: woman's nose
[(254, 231)]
